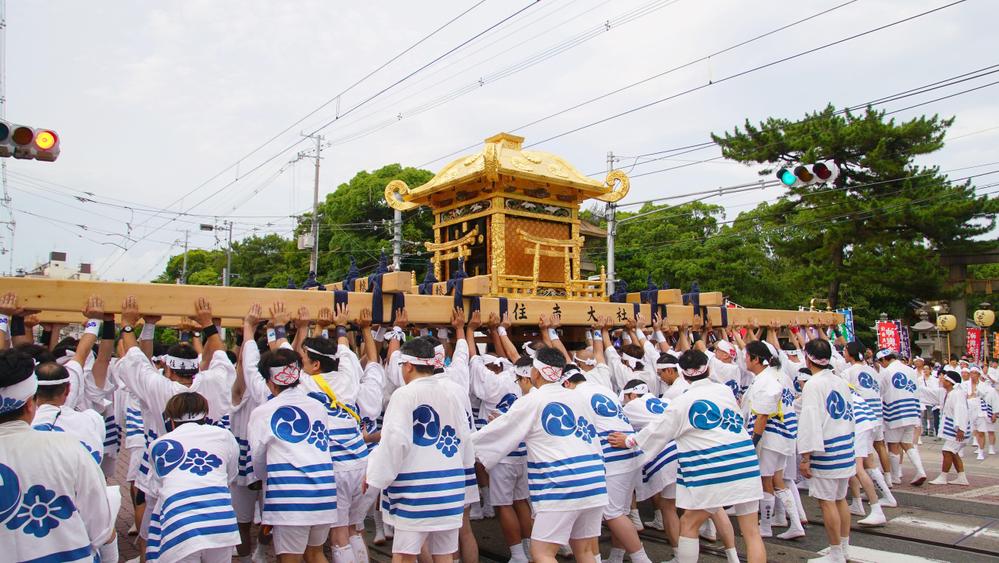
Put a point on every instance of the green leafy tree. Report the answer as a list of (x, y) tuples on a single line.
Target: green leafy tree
[(875, 234), (204, 267)]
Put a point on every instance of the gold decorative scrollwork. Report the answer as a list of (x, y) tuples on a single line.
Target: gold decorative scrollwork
[(491, 162), (522, 164), (395, 194), (619, 184)]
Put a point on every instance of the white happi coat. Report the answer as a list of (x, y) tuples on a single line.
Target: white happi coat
[(898, 392), (193, 466), (153, 390), (679, 386), (289, 446), (826, 426), (424, 462), (86, 426), (610, 418), (660, 470), (717, 463), (622, 372), (53, 499), (347, 448), (864, 381), (728, 374), (954, 415), (565, 466), (772, 394)]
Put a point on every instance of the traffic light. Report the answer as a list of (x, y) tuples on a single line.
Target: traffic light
[(808, 174), (21, 141)]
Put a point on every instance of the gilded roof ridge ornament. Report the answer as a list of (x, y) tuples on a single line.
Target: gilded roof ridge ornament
[(619, 184), (395, 194)]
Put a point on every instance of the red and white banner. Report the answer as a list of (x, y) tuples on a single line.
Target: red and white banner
[(889, 336), (974, 343)]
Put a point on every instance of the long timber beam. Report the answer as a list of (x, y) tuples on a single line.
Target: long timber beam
[(172, 301)]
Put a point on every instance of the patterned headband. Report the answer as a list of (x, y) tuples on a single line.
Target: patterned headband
[(16, 396), (550, 373), (285, 375)]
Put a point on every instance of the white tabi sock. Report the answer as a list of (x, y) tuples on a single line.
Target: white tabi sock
[(109, 551), (786, 498), (917, 461), (687, 550), (526, 542), (639, 556), (259, 554), (597, 559), (802, 517), (881, 485), (517, 553), (344, 554), (616, 555), (732, 555), (360, 550), (896, 465), (844, 544), (767, 515)]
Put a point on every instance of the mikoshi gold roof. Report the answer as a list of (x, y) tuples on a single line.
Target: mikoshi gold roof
[(503, 155)]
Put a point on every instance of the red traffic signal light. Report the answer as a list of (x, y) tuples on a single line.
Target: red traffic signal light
[(21, 141)]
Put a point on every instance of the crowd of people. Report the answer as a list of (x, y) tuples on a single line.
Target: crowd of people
[(287, 437)]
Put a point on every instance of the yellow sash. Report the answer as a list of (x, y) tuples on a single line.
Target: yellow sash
[(333, 400)]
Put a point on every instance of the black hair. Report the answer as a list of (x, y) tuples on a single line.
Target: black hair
[(552, 357), (36, 352), (278, 358), (666, 357), (576, 377), (524, 361), (788, 346), (323, 346), (184, 351), (232, 356), (819, 349), (422, 347), (855, 349), (761, 352), (159, 348), (50, 371), (635, 351), (15, 367), (632, 384), (691, 360)]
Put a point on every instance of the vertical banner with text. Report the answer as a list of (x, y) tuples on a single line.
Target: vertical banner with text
[(889, 337), (847, 327), (974, 340)]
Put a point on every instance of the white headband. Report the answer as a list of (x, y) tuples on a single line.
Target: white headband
[(407, 359), (52, 382), (632, 362), (590, 362), (318, 353), (567, 373), (640, 389), (528, 349), (182, 364), (522, 371), (15, 396), (695, 372), (190, 417), (439, 356), (817, 361), (670, 363), (550, 373), (285, 375), (489, 359)]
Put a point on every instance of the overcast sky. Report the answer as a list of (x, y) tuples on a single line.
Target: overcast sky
[(153, 99)]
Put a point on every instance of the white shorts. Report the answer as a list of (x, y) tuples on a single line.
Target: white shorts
[(441, 542), (791, 467), (134, 457), (900, 435), (822, 488), (670, 491), (771, 462), (982, 424), (993, 426), (740, 509), (212, 555), (350, 507), (953, 446), (507, 483), (561, 526), (620, 489), (863, 445), (294, 539), (878, 433), (244, 502)]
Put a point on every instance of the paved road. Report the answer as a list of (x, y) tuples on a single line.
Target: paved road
[(933, 523)]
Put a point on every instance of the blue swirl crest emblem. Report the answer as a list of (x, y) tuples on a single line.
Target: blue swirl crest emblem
[(291, 424)]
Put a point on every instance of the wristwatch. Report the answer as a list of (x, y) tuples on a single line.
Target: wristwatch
[(127, 329)]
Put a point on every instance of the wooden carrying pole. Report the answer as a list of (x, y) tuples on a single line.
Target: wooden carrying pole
[(69, 296)]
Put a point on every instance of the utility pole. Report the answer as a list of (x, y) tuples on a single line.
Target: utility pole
[(397, 240), (314, 261), (183, 270), (611, 231), (228, 257)]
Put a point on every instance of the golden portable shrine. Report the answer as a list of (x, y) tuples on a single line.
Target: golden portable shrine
[(507, 239)]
